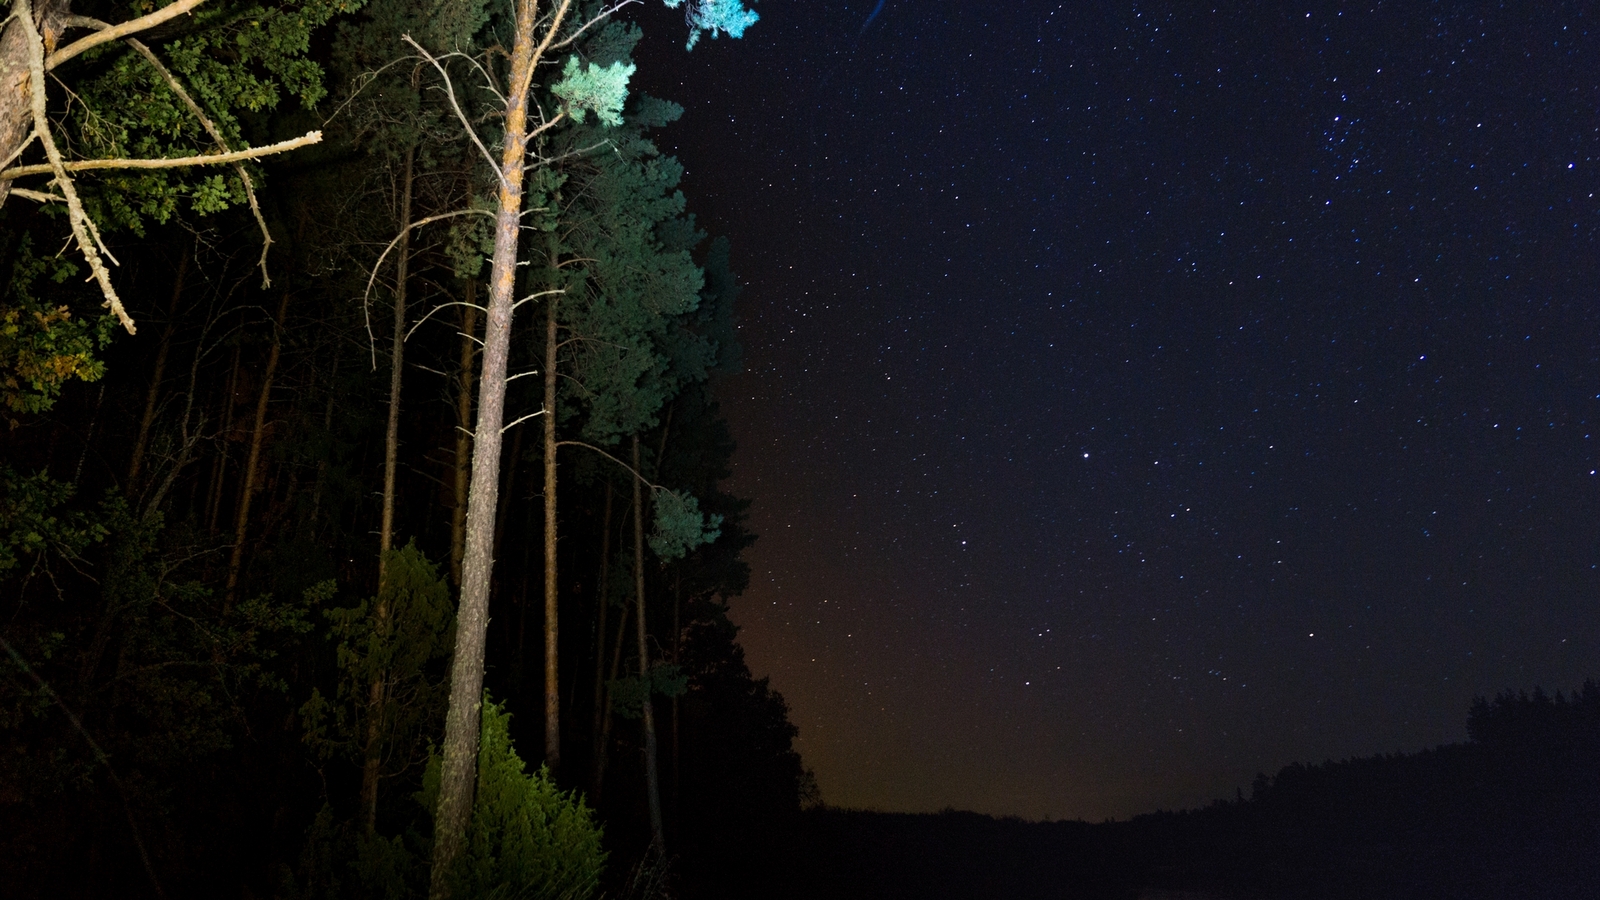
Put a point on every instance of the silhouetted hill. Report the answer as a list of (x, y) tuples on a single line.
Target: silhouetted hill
[(1514, 812)]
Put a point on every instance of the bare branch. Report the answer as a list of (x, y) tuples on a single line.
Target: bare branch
[(537, 295), (601, 16), (216, 135), (362, 80), (40, 196), (176, 162), (439, 307), (550, 33), (367, 294), (117, 32), (450, 92), (76, 217), (17, 153), (521, 420), (643, 480)]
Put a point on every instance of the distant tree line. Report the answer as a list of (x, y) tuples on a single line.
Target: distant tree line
[(1512, 813), (234, 545)]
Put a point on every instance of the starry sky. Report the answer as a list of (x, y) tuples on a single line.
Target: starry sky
[(1142, 396)]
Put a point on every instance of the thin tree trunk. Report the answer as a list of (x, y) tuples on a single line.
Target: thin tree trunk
[(327, 429), (372, 758), (647, 717), (602, 581), (247, 490), (136, 460), (463, 720), (605, 720), (397, 352), (552, 684), (463, 461), (677, 646), (219, 468)]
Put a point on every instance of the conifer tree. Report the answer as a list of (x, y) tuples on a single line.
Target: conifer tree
[(540, 31)]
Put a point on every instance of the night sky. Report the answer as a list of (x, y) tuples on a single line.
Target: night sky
[(1140, 397)]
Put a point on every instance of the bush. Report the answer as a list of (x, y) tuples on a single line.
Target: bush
[(527, 840)]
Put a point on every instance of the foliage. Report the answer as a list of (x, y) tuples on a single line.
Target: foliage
[(680, 526), (527, 839), (42, 345), (630, 694), (397, 651), (587, 88), (32, 522), (237, 60), (715, 17)]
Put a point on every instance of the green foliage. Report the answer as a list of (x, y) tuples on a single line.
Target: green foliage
[(32, 521), (42, 345), (680, 526), (396, 649), (343, 862), (716, 17), (527, 838), (590, 87), (237, 60), (630, 694), (641, 277)]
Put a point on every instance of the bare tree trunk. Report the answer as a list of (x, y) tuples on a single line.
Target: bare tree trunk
[(463, 719), (372, 758), (652, 782), (327, 428), (397, 353), (16, 116), (247, 490), (602, 581), (604, 754), (552, 683), (219, 467), (463, 461), (677, 646), (136, 460)]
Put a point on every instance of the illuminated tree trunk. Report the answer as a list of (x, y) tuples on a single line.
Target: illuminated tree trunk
[(463, 458), (459, 768), (552, 684)]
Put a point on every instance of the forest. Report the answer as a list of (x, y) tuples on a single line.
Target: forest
[(332, 474)]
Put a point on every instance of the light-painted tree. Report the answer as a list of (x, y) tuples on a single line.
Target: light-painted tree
[(544, 35)]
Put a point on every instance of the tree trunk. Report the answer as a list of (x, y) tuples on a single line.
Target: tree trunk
[(136, 459), (327, 429), (372, 758), (247, 490), (463, 460), (602, 581), (552, 684), (603, 756), (647, 717), (16, 114), (463, 720), (219, 466), (397, 352), (677, 647)]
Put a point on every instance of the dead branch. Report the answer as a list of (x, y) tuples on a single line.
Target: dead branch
[(174, 162), (117, 32), (76, 217)]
